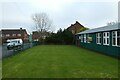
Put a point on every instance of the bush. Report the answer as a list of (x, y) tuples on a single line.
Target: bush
[(61, 37)]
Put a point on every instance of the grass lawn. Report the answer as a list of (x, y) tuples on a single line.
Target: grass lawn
[(59, 61)]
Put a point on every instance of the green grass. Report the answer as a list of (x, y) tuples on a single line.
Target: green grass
[(59, 61)]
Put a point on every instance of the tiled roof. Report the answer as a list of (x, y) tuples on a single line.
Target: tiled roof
[(13, 30)]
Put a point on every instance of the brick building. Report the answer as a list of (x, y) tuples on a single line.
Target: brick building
[(14, 34), (36, 35), (75, 28)]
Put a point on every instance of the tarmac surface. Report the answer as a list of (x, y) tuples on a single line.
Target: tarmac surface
[(4, 52)]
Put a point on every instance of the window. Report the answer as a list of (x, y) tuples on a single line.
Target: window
[(18, 41), (18, 34), (1, 35), (84, 38), (98, 38), (13, 34), (106, 39), (118, 38), (114, 38), (81, 38), (88, 40), (7, 35)]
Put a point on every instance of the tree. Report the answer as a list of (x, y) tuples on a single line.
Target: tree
[(68, 37), (83, 29), (61, 37), (111, 23), (42, 23)]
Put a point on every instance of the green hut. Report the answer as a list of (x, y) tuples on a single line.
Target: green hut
[(104, 39)]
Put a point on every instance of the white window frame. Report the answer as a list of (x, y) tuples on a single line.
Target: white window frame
[(106, 37), (98, 38), (7, 35), (115, 38), (85, 38), (1, 35), (118, 32), (88, 38), (81, 38), (14, 35), (19, 35)]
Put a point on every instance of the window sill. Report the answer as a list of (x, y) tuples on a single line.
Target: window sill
[(106, 44), (115, 46), (99, 43)]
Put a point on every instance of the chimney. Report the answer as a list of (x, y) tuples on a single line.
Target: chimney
[(77, 22), (72, 24), (20, 28)]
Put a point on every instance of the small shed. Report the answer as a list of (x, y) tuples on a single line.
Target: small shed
[(104, 39)]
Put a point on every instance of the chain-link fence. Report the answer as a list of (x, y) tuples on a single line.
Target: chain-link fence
[(7, 53)]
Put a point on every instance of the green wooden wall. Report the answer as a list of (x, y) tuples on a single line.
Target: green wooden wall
[(107, 49)]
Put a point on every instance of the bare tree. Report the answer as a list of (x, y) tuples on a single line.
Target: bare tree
[(112, 23), (42, 23)]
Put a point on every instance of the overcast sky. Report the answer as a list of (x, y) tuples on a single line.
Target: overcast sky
[(16, 14)]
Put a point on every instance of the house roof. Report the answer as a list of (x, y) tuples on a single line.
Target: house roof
[(101, 29), (5, 31), (74, 25), (36, 33)]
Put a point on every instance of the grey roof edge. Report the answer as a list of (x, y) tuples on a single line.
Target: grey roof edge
[(100, 29), (119, 25)]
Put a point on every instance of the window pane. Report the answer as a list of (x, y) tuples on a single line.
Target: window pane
[(88, 38), (84, 37), (100, 35), (104, 40), (7, 35), (118, 41), (104, 34), (114, 41), (96, 34), (113, 34), (79, 37), (114, 38), (108, 34), (13, 34), (96, 37), (100, 40), (19, 34), (96, 40), (118, 33), (107, 40), (118, 38)]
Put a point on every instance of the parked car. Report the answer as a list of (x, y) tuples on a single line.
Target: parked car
[(14, 44)]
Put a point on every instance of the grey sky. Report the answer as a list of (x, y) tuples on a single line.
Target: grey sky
[(62, 12)]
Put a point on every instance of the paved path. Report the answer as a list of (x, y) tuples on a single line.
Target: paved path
[(5, 52)]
